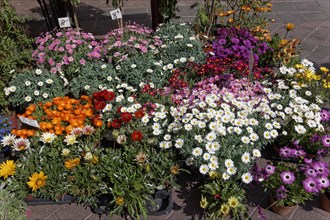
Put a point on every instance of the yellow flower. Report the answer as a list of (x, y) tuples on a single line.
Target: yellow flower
[(289, 26), (119, 201), (175, 169), (7, 169), (203, 203), (324, 69), (233, 202), (225, 209), (72, 163), (95, 159), (213, 174), (37, 180)]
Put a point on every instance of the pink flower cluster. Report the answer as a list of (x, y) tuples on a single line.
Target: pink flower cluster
[(117, 43), (59, 49)]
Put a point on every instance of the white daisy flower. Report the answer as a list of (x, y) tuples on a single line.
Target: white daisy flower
[(47, 137), (229, 163), (87, 87), (190, 45), (203, 169), (267, 135), (27, 83), (36, 93), (214, 159), (206, 156), (231, 170), (70, 139), (45, 95), (38, 71), (8, 140), (274, 133), (109, 78), (65, 152), (225, 176), (197, 151), (88, 156), (300, 129), (28, 98), (256, 153), (213, 166), (12, 88), (246, 158), (49, 81), (247, 178), (40, 83), (254, 137), (103, 66), (179, 143), (245, 139)]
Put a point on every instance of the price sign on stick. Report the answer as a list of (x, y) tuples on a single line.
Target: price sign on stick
[(64, 22), (115, 14), (28, 121)]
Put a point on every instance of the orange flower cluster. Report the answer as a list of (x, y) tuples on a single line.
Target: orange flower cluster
[(61, 115)]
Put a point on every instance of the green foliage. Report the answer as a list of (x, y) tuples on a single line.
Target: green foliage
[(10, 206), (167, 9), (92, 78), (141, 68), (34, 86), (179, 42), (15, 45)]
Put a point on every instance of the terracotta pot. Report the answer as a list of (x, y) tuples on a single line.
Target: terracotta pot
[(281, 210), (325, 201)]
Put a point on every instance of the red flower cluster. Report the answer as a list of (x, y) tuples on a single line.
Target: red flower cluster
[(101, 98)]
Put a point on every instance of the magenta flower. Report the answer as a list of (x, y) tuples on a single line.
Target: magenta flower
[(323, 182), (82, 61), (325, 115), (270, 169), (287, 177), (286, 152), (280, 193), (310, 172), (310, 185), (53, 70), (326, 140)]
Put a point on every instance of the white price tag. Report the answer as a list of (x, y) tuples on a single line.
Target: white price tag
[(64, 22), (28, 121), (115, 14)]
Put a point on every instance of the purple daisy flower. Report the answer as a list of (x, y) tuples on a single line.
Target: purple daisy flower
[(285, 152), (323, 182), (321, 168), (310, 172), (310, 185), (322, 152), (326, 140), (308, 160), (280, 193), (270, 169), (300, 153), (325, 115), (287, 177), (315, 138)]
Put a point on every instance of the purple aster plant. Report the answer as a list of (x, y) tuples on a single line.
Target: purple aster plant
[(270, 169), (287, 177), (310, 185), (325, 115)]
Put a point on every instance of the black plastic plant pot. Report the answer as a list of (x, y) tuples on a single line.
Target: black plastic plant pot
[(161, 203), (64, 199), (103, 204)]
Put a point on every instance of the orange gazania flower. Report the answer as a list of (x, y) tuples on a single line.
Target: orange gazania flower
[(72, 163)]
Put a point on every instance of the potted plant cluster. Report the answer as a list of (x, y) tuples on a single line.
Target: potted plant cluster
[(112, 122)]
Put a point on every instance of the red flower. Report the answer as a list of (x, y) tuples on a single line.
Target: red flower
[(217, 196), (126, 117), (119, 109), (99, 105), (136, 135), (116, 123), (139, 113), (109, 96)]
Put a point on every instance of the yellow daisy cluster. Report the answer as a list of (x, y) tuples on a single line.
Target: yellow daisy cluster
[(326, 79), (232, 203), (306, 74)]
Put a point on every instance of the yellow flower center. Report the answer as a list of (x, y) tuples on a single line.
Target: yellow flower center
[(21, 147)]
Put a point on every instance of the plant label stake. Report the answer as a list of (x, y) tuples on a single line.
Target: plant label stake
[(115, 15), (64, 22), (28, 121)]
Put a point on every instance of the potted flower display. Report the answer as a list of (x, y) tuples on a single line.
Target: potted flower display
[(291, 184)]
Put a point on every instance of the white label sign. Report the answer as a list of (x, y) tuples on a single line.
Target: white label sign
[(64, 22), (28, 121), (115, 14)]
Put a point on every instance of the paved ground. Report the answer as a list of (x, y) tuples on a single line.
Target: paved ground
[(311, 18)]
